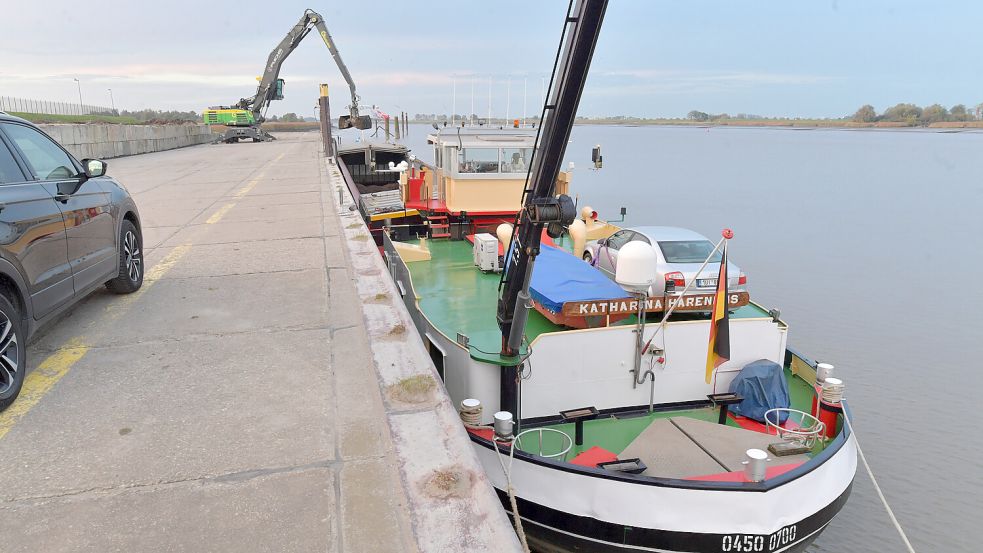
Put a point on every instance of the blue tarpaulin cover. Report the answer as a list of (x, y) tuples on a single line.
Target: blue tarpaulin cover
[(559, 277), (762, 385)]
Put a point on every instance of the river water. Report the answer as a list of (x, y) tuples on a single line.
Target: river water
[(868, 243)]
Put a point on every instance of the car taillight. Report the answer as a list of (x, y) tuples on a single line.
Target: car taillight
[(742, 279), (675, 279)]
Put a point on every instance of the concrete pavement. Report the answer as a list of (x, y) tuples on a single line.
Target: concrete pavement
[(229, 405)]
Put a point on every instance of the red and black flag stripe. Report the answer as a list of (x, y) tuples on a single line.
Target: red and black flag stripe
[(719, 350)]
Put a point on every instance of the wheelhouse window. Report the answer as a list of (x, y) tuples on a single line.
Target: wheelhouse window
[(688, 251), (478, 160), (516, 160)]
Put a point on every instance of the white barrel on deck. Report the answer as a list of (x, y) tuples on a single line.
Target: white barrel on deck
[(755, 465)]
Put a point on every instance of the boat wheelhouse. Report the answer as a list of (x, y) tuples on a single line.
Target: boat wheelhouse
[(479, 172), (474, 184)]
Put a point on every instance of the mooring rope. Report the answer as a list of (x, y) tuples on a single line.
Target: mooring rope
[(890, 513), (471, 416), (508, 489)]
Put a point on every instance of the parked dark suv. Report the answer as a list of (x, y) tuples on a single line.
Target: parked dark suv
[(65, 230)]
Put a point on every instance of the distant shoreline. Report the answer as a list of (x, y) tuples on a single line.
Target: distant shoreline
[(940, 126), (785, 123)]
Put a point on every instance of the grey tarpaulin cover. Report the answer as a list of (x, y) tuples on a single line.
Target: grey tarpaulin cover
[(762, 385)]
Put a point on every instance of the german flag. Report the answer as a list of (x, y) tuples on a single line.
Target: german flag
[(719, 349)]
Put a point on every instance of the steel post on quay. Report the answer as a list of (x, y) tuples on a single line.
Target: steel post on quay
[(325, 116)]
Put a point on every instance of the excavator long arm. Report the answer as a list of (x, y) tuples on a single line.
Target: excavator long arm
[(269, 88)]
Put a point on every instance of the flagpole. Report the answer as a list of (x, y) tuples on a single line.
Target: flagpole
[(727, 234), (718, 313)]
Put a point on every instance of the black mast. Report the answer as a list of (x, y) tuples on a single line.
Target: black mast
[(539, 206)]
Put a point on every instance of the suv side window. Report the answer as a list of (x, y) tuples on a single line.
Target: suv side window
[(46, 159), (9, 171)]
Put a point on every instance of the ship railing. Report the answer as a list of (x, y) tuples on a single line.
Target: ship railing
[(805, 431), (566, 442)]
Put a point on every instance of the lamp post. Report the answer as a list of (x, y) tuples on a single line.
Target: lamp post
[(111, 101), (81, 106)]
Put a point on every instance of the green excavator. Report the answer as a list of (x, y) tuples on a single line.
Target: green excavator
[(244, 118)]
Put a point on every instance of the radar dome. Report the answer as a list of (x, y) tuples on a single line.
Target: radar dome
[(636, 267)]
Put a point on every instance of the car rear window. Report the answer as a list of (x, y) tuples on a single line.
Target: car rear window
[(688, 251)]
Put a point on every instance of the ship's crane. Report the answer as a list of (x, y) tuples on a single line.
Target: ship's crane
[(540, 207), (245, 117)]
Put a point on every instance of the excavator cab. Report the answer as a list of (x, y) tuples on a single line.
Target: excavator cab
[(362, 122)]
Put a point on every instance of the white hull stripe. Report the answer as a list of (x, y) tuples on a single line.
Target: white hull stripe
[(805, 540), (563, 531)]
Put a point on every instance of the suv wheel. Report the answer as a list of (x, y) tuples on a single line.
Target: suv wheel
[(13, 354), (130, 276)]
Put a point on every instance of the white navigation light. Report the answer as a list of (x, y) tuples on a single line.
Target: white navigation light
[(635, 269)]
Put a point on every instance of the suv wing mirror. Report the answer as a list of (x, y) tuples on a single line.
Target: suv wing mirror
[(94, 168)]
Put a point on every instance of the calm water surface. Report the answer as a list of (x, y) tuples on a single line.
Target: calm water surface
[(869, 244)]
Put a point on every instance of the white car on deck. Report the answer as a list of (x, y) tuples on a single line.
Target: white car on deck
[(679, 253)]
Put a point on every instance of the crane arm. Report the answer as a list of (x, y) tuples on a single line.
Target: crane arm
[(322, 29), (540, 208), (269, 88)]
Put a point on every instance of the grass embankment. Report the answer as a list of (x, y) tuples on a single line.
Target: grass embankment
[(44, 118)]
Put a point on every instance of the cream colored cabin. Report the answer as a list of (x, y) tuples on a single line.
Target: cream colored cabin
[(480, 170)]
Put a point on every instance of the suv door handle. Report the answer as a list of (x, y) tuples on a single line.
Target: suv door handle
[(2, 206)]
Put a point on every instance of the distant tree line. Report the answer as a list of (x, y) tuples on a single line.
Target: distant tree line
[(703, 116), (290, 117), (915, 115)]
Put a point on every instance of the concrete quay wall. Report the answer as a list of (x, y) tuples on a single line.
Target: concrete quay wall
[(450, 500), (109, 141)]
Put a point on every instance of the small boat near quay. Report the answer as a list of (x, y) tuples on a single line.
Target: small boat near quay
[(610, 415)]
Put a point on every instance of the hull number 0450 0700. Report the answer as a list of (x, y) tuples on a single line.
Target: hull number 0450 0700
[(752, 543)]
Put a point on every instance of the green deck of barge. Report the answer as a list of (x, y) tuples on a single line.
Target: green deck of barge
[(458, 298), (614, 433)]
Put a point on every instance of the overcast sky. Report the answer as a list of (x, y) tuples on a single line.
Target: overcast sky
[(806, 58)]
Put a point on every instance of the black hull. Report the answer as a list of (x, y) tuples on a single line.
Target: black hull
[(551, 531)]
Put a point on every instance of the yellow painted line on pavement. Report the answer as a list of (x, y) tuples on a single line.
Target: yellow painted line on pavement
[(122, 305), (40, 381), (217, 216), (43, 378)]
